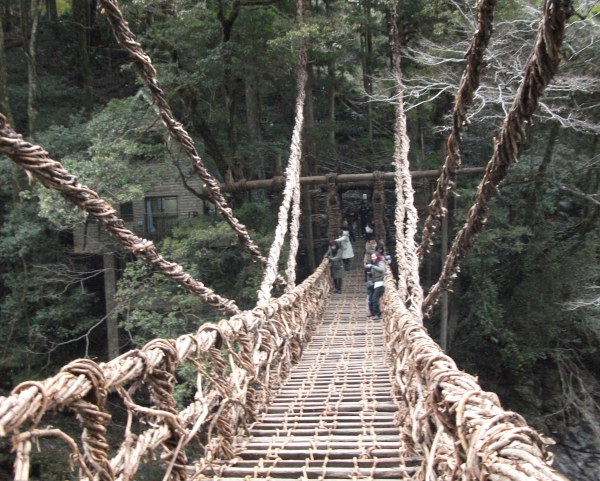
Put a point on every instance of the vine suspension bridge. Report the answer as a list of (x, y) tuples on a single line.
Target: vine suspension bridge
[(304, 385)]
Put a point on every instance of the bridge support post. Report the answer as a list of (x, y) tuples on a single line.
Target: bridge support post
[(333, 207), (308, 229), (110, 289), (316, 222), (378, 205)]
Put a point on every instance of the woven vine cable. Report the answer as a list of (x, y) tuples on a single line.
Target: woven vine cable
[(541, 68), (258, 338), (464, 99), (461, 431), (143, 63), (406, 213), (292, 181), (294, 229), (53, 175)]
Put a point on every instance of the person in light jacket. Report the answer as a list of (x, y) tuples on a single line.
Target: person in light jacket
[(334, 254), (346, 226), (377, 267), (346, 246)]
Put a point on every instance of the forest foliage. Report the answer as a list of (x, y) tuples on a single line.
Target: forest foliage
[(524, 310)]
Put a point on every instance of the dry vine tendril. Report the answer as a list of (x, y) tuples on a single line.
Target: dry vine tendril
[(541, 68)]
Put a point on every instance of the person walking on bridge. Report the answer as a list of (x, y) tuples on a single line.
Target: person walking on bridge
[(370, 248), (346, 226), (346, 246), (334, 254), (377, 266)]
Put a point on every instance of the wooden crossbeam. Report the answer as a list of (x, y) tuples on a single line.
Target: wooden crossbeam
[(345, 181)]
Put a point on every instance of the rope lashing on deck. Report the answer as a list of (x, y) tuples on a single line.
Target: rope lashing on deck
[(469, 84), (292, 186), (53, 175), (255, 347), (461, 431), (541, 68), (407, 217), (143, 64)]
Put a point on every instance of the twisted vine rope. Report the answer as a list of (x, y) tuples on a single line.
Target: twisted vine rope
[(143, 64), (252, 348), (407, 217), (464, 98), (53, 175), (541, 68), (294, 230), (461, 431), (292, 187)]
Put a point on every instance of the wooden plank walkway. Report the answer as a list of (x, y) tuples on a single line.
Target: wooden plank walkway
[(334, 418)]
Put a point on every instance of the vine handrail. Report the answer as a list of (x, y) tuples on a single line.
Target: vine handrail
[(460, 430), (257, 347)]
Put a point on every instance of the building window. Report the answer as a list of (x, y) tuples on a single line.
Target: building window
[(161, 213), (126, 211)]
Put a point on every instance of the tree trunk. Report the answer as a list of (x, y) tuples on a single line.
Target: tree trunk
[(257, 163), (308, 228), (229, 83), (211, 146), (51, 10), (536, 189), (310, 159), (368, 66), (4, 99), (5, 15), (25, 18), (331, 98), (82, 18), (253, 108), (310, 147), (31, 68)]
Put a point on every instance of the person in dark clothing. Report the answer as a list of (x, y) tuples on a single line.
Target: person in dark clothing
[(377, 267), (348, 227), (349, 214), (363, 213), (334, 254)]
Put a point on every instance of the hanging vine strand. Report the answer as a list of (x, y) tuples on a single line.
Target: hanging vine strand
[(406, 214), (53, 175), (292, 185), (143, 63), (541, 68), (464, 98)]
